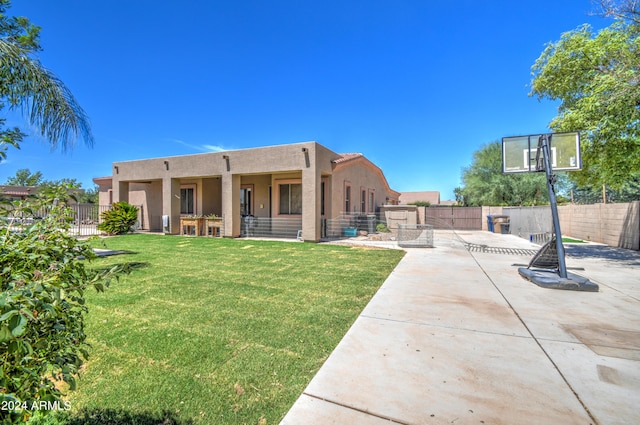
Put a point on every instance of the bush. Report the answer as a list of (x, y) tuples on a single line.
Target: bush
[(382, 228), (120, 219), (420, 203), (43, 277)]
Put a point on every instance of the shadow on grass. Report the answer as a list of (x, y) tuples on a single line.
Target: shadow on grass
[(135, 265), (128, 266), (104, 252), (121, 417)]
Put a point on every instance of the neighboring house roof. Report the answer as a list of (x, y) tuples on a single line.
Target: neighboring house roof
[(18, 190), (433, 197), (23, 192)]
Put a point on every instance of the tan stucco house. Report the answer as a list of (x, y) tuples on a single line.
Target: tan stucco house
[(433, 197), (17, 193), (21, 193), (301, 183)]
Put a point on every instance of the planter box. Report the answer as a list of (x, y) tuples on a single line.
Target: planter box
[(187, 224), (213, 226)]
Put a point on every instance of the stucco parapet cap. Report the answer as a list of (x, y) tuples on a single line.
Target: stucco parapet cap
[(106, 179)]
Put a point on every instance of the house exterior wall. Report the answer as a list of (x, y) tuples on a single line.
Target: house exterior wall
[(218, 177), (259, 184), (211, 201), (361, 176)]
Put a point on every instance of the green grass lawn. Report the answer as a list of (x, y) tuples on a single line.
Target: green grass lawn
[(572, 240), (218, 331)]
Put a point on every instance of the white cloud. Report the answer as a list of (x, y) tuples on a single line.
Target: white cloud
[(201, 148), (214, 148)]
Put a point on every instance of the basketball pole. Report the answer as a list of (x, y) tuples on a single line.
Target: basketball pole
[(551, 180)]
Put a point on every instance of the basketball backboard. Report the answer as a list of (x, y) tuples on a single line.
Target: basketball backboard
[(519, 153)]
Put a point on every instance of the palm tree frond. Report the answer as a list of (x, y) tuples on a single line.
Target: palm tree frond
[(46, 102)]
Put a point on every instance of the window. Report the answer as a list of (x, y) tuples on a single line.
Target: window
[(347, 199), (363, 201), (372, 205), (290, 198), (187, 200)]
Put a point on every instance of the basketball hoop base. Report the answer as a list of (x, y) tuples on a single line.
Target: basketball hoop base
[(552, 280)]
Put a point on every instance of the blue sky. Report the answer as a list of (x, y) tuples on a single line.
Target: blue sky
[(415, 85)]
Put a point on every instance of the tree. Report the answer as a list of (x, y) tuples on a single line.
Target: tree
[(484, 183), (89, 196), (596, 78), (24, 177), (24, 83), (43, 276), (42, 305), (629, 192), (83, 196)]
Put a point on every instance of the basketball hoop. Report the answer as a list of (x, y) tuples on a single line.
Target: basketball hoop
[(560, 152)]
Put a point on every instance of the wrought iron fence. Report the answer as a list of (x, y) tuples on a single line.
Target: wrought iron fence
[(268, 227), (84, 218), (348, 225)]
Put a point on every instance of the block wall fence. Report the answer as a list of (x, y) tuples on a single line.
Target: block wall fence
[(615, 225)]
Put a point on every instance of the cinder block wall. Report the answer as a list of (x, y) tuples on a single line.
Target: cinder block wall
[(611, 224)]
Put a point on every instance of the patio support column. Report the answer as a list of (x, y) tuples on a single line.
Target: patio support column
[(120, 191), (171, 203), (311, 180), (231, 204)]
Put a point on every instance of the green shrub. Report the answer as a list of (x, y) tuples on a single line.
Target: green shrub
[(120, 219), (42, 283), (382, 228)]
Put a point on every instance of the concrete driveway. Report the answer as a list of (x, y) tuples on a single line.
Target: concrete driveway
[(456, 336)]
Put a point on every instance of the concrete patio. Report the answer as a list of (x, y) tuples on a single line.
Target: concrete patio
[(455, 335)]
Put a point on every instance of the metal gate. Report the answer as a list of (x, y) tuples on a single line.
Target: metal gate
[(86, 218), (457, 218)]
